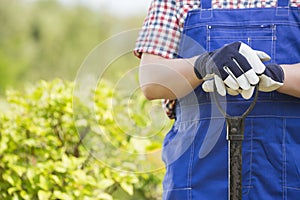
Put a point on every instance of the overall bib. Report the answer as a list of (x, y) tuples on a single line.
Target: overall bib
[(195, 149)]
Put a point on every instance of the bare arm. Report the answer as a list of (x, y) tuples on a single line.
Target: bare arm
[(162, 78), (291, 84)]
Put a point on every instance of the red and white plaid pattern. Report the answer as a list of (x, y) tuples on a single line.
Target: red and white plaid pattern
[(163, 25)]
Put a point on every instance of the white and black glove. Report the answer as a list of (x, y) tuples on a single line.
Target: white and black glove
[(234, 66), (271, 79)]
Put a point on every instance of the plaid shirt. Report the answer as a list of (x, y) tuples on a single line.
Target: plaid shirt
[(163, 25)]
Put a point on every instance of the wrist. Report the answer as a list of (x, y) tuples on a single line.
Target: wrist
[(200, 65), (285, 71), (276, 71)]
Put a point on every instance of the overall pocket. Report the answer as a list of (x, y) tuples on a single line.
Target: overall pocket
[(258, 36), (177, 155)]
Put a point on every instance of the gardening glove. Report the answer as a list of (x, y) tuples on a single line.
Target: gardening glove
[(271, 79), (235, 65), (208, 86)]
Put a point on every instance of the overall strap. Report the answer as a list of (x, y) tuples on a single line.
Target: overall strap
[(206, 9), (283, 3), (207, 4), (282, 8)]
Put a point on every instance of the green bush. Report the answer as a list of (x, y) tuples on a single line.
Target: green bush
[(47, 153)]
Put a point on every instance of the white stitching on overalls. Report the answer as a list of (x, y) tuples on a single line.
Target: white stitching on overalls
[(284, 195), (249, 186)]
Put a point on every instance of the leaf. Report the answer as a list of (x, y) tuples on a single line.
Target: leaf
[(56, 179), (3, 144), (61, 195), (60, 168), (7, 177), (30, 142), (79, 176), (127, 188), (12, 190), (43, 195), (43, 183), (30, 175), (18, 169), (105, 183), (24, 195), (104, 196)]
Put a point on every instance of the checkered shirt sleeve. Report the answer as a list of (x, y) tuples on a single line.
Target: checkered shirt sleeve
[(162, 28), (161, 31)]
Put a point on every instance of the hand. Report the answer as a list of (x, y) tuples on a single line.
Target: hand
[(271, 79), (208, 86), (235, 65)]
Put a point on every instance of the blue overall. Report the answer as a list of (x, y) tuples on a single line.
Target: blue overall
[(195, 149)]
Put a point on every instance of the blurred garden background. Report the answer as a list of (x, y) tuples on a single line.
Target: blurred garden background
[(48, 150)]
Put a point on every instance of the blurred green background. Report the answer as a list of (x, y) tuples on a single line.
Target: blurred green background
[(47, 152), (44, 39)]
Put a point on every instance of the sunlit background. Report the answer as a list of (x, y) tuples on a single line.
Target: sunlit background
[(124, 8), (38, 35)]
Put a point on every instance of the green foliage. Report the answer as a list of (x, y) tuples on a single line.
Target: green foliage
[(44, 40), (42, 156), (46, 150)]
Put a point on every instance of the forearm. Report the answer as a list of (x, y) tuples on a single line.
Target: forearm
[(291, 84), (162, 78)]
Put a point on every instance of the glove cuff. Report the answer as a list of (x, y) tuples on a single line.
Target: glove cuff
[(200, 65), (276, 72)]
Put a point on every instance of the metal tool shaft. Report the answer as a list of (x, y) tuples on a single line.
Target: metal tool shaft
[(235, 137)]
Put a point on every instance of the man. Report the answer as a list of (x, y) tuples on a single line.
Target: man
[(186, 47)]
